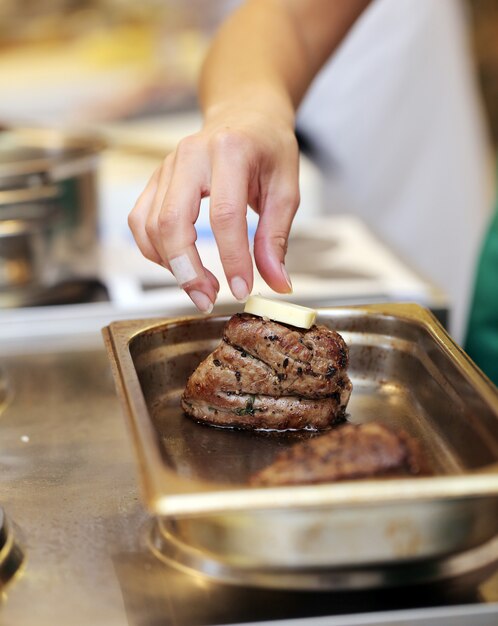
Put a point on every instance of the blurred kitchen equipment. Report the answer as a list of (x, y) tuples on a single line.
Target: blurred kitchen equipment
[(48, 206), (27, 231)]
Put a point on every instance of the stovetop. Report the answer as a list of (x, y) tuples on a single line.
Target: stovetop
[(68, 487)]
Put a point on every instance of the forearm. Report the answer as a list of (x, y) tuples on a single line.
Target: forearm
[(257, 71), (267, 53)]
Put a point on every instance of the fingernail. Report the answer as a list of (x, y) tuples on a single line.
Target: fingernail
[(201, 301), (286, 276), (182, 269), (239, 288)]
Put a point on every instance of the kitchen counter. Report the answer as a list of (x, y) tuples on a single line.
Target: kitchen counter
[(68, 485)]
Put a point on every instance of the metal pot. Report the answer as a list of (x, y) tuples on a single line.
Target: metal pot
[(26, 245), (48, 206)]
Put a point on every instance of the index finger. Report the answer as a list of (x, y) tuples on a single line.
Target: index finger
[(172, 225)]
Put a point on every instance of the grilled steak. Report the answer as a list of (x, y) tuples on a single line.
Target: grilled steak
[(309, 362), (269, 375), (348, 452)]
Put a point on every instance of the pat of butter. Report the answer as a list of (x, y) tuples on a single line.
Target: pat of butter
[(278, 311)]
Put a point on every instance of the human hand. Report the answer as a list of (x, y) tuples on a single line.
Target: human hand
[(241, 157)]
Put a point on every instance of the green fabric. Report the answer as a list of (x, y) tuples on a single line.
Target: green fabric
[(482, 335)]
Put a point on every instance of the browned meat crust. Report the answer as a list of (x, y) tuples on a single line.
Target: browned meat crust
[(269, 375), (348, 452), (310, 360), (231, 369)]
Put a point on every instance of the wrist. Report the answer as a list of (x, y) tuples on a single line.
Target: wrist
[(252, 101)]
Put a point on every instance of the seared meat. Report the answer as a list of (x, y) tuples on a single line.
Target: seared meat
[(233, 369), (257, 411), (269, 375), (308, 361), (346, 453)]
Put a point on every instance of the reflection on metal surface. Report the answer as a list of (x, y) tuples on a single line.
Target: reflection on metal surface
[(461, 572), (406, 373), (67, 483), (5, 390), (11, 555), (178, 598)]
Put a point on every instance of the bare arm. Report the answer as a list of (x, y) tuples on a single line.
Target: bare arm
[(258, 69), (274, 48)]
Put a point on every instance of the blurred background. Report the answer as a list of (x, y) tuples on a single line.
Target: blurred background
[(122, 76), (483, 22), (68, 61)]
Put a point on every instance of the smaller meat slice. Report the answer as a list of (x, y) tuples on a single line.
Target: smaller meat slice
[(345, 453)]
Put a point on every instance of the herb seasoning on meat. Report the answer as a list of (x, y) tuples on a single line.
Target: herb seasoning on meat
[(267, 375)]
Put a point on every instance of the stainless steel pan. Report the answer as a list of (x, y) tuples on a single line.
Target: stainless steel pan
[(406, 372)]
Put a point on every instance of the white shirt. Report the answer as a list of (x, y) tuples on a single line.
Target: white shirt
[(397, 122)]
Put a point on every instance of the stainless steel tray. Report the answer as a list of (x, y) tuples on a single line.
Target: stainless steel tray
[(406, 372)]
